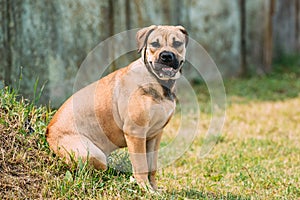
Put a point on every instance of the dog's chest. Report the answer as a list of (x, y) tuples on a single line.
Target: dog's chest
[(160, 115)]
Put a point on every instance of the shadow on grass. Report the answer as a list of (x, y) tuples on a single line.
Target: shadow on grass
[(196, 194), (115, 172)]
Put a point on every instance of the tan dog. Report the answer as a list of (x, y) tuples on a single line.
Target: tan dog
[(129, 107)]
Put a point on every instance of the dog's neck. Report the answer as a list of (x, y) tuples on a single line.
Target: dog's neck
[(168, 88)]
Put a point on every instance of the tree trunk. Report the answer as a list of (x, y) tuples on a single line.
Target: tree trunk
[(268, 36), (7, 26), (111, 31), (243, 63), (297, 25), (128, 14)]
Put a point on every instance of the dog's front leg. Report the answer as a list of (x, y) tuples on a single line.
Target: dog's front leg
[(137, 152), (152, 155)]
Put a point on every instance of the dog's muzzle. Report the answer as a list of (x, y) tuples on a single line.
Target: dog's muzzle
[(166, 66)]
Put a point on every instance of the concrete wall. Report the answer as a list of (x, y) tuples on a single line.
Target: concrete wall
[(50, 39)]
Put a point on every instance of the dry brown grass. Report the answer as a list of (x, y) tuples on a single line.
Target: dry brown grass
[(25, 164)]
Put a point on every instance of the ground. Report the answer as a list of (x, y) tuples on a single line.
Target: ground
[(257, 156)]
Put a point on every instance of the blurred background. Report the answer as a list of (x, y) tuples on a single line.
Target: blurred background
[(43, 43)]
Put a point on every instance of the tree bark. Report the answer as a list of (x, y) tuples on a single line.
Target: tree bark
[(7, 25), (268, 36), (128, 14), (297, 25), (111, 31), (243, 54)]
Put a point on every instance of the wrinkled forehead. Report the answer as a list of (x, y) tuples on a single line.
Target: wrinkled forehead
[(166, 34)]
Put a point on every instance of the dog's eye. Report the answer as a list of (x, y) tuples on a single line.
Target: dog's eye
[(177, 44), (155, 44)]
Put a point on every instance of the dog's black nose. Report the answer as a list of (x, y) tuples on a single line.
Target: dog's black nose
[(167, 56)]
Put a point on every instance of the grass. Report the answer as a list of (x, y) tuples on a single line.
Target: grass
[(257, 156)]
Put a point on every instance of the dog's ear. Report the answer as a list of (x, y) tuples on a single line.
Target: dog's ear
[(142, 36), (182, 29)]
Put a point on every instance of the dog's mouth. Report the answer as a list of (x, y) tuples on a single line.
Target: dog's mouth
[(166, 71)]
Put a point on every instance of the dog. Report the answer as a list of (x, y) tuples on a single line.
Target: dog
[(127, 108)]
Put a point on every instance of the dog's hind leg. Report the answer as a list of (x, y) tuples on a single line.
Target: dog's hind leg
[(81, 148)]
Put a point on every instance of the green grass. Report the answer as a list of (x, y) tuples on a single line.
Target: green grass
[(257, 156)]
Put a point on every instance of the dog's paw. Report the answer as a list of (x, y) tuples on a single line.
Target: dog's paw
[(144, 185), (154, 184)]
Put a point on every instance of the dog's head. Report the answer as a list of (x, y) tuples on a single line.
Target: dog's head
[(163, 49)]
